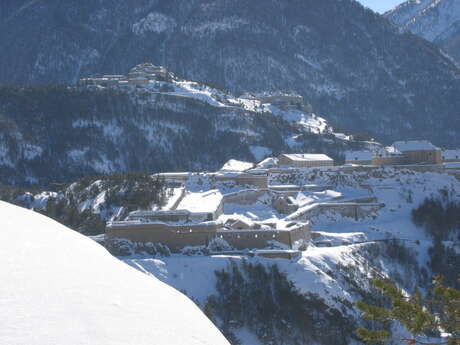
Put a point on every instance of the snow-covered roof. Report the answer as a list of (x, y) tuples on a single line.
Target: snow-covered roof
[(236, 165), (201, 202), (451, 154), (80, 294), (310, 157), (268, 163), (359, 155), (414, 145), (388, 151)]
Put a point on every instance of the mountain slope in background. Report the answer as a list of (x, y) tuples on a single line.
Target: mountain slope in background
[(58, 285), (435, 20), (57, 134), (349, 62)]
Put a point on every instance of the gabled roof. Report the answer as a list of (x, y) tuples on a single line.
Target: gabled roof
[(235, 165), (201, 202), (308, 157), (414, 145)]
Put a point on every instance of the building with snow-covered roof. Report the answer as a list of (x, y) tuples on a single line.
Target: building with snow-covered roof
[(140, 75), (304, 160), (191, 208), (236, 165), (451, 155), (209, 203), (419, 151)]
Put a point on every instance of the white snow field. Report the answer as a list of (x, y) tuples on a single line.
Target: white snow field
[(59, 287)]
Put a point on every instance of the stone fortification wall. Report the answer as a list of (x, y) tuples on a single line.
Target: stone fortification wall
[(251, 196), (245, 197), (259, 239), (260, 181), (175, 237), (392, 160), (356, 211)]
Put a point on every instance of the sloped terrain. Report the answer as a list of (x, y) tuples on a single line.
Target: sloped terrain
[(320, 288), (58, 134), (85, 205), (60, 287), (435, 20), (349, 62)]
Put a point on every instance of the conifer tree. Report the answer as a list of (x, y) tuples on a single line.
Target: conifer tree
[(439, 313)]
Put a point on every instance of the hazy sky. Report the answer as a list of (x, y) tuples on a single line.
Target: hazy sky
[(381, 5)]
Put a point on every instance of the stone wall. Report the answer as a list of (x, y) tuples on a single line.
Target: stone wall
[(392, 160), (358, 162), (284, 160), (426, 156), (245, 197), (356, 211), (175, 237), (259, 239)]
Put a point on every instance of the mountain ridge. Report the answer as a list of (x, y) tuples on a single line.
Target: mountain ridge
[(435, 20), (60, 133), (349, 62)]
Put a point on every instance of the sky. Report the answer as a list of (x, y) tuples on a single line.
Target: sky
[(381, 6)]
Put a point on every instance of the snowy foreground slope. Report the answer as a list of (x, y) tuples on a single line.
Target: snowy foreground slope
[(59, 287)]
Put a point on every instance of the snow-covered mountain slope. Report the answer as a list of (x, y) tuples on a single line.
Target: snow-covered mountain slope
[(59, 287), (435, 20), (62, 133), (85, 205), (349, 62), (346, 253)]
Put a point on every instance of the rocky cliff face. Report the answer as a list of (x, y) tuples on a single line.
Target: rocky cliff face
[(435, 20), (350, 63)]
